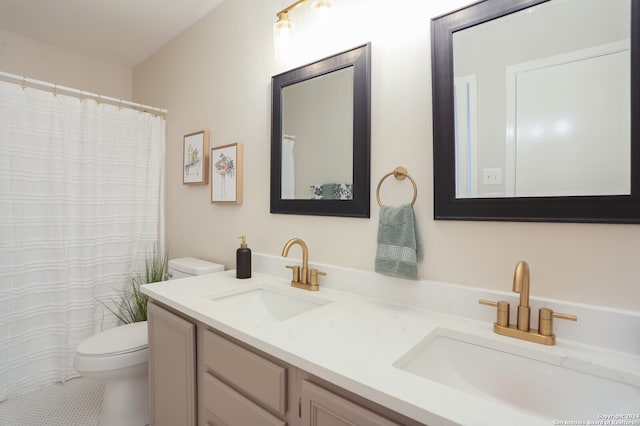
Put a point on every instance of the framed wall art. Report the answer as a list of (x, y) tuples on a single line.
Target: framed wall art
[(195, 158), (226, 174)]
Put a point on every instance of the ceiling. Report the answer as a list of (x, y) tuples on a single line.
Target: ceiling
[(119, 31)]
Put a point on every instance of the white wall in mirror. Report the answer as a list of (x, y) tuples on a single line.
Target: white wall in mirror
[(491, 50), (318, 127)]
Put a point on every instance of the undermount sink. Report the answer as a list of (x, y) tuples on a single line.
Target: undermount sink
[(265, 305), (540, 382)]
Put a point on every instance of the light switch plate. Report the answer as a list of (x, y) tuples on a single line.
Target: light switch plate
[(492, 176)]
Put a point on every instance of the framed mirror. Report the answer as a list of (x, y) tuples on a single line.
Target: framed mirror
[(536, 111), (320, 137)]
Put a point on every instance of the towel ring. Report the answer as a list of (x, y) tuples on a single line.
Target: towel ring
[(399, 173)]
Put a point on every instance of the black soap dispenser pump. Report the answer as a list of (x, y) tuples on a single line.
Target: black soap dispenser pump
[(243, 260)]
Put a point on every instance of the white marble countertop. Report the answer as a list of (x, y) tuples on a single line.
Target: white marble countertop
[(355, 340)]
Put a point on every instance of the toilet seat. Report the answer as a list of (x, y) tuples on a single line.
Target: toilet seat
[(113, 349), (115, 341)]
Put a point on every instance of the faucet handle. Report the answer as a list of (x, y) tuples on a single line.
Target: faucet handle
[(314, 276), (502, 318), (545, 320), (296, 273)]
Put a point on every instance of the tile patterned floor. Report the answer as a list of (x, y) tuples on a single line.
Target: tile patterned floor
[(77, 402)]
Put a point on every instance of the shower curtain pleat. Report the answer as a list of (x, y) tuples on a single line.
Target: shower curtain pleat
[(80, 206), (288, 191)]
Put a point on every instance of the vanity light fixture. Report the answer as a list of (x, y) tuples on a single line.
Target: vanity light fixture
[(284, 26), (322, 6)]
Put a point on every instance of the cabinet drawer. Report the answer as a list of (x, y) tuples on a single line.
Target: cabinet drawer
[(231, 408), (248, 372)]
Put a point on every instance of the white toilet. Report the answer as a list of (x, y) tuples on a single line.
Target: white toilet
[(119, 356)]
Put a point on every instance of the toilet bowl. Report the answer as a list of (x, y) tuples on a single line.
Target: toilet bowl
[(119, 356)]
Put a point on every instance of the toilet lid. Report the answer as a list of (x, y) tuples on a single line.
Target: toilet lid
[(116, 340), (193, 266)]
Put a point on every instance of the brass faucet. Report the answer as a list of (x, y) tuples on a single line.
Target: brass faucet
[(521, 285), (302, 277), (521, 329)]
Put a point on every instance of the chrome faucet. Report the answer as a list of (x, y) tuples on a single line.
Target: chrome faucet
[(302, 277), (522, 330)]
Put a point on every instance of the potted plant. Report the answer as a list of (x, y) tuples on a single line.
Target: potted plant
[(131, 303)]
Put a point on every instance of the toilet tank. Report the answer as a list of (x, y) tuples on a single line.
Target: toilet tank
[(190, 266)]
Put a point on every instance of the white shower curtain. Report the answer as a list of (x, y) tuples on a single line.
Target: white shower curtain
[(80, 204), (288, 191)]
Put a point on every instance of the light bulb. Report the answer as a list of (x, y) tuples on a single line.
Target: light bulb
[(322, 10), (283, 36), (283, 26), (322, 6)]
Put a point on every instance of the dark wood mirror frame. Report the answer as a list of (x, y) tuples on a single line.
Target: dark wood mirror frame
[(602, 209), (359, 206)]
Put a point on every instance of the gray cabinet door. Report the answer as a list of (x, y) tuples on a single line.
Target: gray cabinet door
[(172, 368), (323, 408)]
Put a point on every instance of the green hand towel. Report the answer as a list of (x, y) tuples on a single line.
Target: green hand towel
[(399, 246)]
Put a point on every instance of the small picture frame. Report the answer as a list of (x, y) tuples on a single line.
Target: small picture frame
[(226, 174), (195, 158)]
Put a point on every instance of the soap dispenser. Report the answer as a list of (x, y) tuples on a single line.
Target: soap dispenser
[(243, 260)]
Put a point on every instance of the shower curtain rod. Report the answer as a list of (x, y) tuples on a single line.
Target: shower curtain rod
[(24, 81)]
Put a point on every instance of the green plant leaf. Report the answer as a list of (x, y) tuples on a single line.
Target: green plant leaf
[(131, 304)]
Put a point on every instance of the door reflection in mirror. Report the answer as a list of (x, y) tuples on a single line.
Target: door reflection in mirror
[(542, 102)]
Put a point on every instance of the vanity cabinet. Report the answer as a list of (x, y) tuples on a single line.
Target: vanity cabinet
[(239, 385), (172, 367)]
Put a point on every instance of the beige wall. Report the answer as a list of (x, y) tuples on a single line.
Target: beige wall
[(22, 56), (216, 76)]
